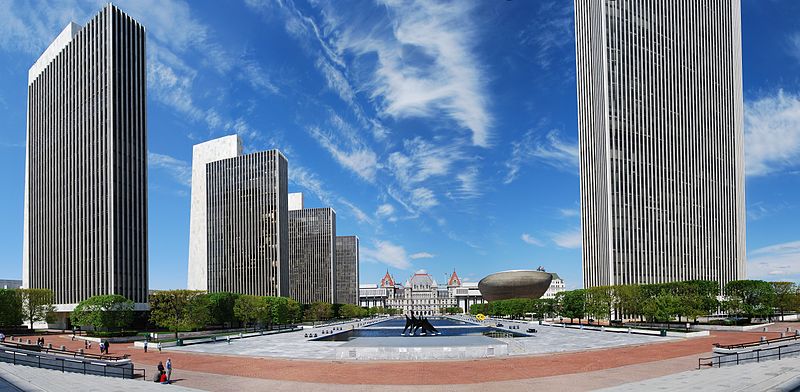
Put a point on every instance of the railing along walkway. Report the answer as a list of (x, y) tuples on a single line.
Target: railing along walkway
[(18, 356), (748, 356), (758, 342)]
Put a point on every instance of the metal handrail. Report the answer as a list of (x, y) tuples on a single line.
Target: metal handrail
[(56, 363), (727, 358), (54, 351), (758, 342)]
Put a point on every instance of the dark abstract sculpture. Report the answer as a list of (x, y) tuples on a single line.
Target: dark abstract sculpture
[(414, 324)]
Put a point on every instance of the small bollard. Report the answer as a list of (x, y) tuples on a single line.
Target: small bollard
[(763, 339), (80, 351), (797, 332), (28, 341), (63, 348), (49, 346), (765, 329), (783, 334)]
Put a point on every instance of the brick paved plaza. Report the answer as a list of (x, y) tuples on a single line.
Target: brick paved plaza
[(584, 369)]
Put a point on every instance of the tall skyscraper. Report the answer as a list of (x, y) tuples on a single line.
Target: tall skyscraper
[(243, 245), (346, 266), (312, 251), (85, 216), (203, 154), (660, 132)]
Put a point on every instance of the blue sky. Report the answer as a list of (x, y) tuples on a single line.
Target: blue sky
[(443, 133)]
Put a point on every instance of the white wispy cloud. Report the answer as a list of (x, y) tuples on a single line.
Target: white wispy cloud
[(176, 168), (423, 198), (386, 252), (569, 212), (384, 210), (309, 181), (469, 184), (570, 239), (529, 239), (426, 65), (421, 160), (772, 134), (360, 215), (549, 149), (775, 262), (421, 255), (347, 148), (549, 30)]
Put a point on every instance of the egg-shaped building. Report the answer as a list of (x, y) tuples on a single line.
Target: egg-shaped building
[(515, 284)]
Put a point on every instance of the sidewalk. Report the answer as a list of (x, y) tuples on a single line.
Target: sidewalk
[(14, 378), (783, 375)]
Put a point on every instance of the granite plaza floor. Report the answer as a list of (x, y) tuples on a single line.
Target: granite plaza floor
[(548, 339)]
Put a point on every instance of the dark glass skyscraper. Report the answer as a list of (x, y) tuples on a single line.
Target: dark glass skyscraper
[(312, 251), (247, 225), (347, 269), (85, 219)]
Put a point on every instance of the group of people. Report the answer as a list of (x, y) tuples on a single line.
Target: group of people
[(40, 342), (104, 347), (162, 376), (146, 344)]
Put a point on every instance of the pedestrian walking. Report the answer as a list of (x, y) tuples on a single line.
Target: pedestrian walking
[(169, 369), (159, 346), (145, 346), (107, 346), (2, 337), (101, 348)]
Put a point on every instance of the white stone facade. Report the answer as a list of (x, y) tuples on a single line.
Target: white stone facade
[(202, 154), (421, 294)]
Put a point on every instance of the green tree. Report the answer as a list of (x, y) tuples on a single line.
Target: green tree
[(251, 309), (351, 311), (661, 307), (629, 300), (475, 309), (701, 298), (179, 310), (785, 293), (221, 308), (572, 304), (599, 302), (452, 310), (10, 308), (37, 305), (750, 298), (103, 312), (319, 311), (294, 311)]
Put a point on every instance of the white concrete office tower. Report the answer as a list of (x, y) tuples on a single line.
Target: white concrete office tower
[(295, 201), (346, 261), (85, 216), (312, 251), (660, 131), (247, 228), (203, 154)]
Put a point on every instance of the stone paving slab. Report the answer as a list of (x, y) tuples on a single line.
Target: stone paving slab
[(31, 379), (548, 339), (782, 375)]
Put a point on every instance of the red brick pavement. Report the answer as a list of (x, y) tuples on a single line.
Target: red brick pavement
[(433, 372)]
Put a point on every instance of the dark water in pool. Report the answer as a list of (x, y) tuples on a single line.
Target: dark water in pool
[(395, 328)]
